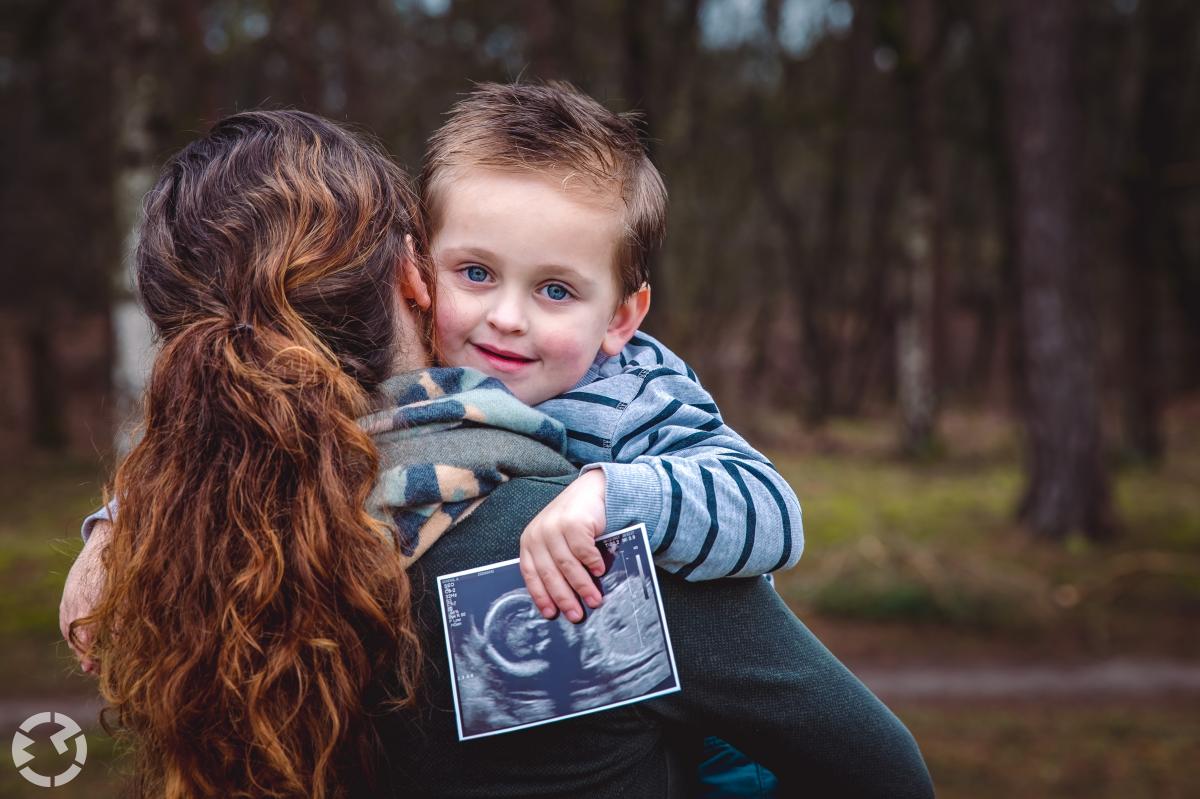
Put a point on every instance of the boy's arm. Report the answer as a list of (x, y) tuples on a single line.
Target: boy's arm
[(715, 506), (719, 507)]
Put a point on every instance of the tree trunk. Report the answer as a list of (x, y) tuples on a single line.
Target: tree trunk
[(868, 344), (1158, 123), (551, 26), (658, 51), (1068, 487), (56, 220), (1141, 378), (808, 289), (918, 328), (914, 333), (990, 40), (45, 389)]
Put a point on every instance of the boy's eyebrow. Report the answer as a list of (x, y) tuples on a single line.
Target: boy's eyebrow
[(474, 252), (568, 271)]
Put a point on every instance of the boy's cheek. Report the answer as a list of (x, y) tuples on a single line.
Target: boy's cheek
[(452, 319), (586, 334), (566, 348)]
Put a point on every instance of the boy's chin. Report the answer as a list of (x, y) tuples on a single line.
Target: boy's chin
[(529, 389), (532, 395)]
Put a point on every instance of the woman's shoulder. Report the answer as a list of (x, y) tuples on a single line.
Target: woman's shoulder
[(519, 498), (492, 532)]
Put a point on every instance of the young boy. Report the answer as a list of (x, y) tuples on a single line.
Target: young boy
[(543, 211)]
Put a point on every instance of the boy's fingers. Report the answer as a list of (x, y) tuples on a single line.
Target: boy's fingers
[(65, 619), (78, 644), (583, 546), (575, 574), (582, 583), (533, 584), (558, 588)]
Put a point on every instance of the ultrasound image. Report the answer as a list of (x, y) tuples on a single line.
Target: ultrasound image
[(515, 668)]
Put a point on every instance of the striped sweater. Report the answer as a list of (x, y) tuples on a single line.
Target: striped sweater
[(714, 506)]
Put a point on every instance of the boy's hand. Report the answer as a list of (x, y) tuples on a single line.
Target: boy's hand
[(558, 549), (82, 590)]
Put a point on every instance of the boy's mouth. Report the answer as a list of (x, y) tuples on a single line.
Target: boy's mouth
[(503, 360)]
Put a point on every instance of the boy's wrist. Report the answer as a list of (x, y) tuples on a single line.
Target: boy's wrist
[(632, 494)]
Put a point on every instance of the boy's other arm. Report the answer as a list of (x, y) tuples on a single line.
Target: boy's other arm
[(106, 513), (82, 589)]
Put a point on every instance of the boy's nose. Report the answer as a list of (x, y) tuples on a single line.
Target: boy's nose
[(507, 316)]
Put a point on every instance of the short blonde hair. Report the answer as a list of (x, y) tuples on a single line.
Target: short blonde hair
[(554, 127)]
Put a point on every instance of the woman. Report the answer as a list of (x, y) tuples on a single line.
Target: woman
[(251, 602), (257, 621)]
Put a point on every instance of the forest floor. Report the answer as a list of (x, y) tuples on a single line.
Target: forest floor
[(1023, 668)]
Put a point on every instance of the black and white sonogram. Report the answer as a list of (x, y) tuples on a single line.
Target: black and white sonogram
[(511, 668)]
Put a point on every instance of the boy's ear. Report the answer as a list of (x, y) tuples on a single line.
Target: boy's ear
[(412, 285), (626, 321)]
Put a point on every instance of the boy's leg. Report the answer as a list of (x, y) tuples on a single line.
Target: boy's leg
[(726, 773), (756, 676)]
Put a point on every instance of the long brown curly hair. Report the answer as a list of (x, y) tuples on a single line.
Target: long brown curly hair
[(253, 608)]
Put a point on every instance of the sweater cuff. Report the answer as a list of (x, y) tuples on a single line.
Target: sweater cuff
[(104, 514), (633, 494)]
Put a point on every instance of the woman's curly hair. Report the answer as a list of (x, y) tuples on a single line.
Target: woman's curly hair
[(253, 609)]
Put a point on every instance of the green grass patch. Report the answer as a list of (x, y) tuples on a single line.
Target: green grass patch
[(936, 540), (848, 496), (44, 500)]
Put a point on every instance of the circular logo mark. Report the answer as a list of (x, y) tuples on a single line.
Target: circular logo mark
[(68, 731)]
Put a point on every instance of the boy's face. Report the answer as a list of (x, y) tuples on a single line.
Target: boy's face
[(526, 282)]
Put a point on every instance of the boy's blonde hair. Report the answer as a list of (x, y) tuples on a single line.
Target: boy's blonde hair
[(554, 127)]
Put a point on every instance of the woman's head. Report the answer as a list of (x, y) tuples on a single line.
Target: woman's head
[(285, 222), (252, 606)]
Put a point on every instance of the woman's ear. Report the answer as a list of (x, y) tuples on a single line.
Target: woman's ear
[(626, 321), (412, 284)]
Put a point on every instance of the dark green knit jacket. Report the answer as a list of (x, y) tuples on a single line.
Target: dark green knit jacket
[(751, 674)]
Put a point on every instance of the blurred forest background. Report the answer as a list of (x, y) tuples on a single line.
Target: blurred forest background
[(939, 258)]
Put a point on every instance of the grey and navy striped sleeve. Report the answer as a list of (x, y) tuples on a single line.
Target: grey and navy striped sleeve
[(105, 513), (714, 506)]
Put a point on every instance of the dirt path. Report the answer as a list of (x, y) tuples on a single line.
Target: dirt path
[(84, 710), (1106, 679), (1118, 678)]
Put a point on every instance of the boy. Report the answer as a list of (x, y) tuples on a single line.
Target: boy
[(543, 211)]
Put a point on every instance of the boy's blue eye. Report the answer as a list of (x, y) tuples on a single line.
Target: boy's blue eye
[(476, 274), (557, 292)]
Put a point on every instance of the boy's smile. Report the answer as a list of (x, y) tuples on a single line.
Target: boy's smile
[(526, 279), (503, 360)]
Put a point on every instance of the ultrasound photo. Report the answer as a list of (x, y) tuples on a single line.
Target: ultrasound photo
[(512, 669)]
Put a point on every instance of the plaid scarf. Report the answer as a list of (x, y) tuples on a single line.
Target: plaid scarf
[(447, 437)]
